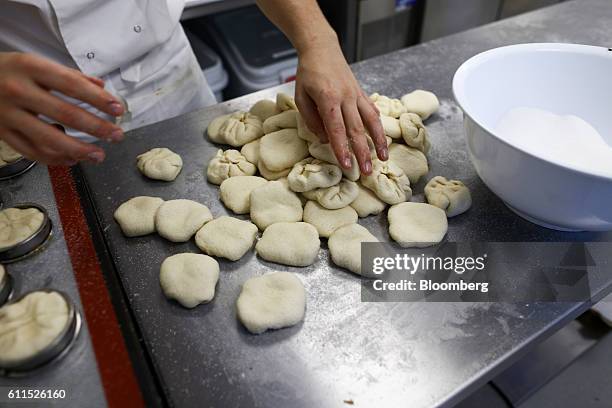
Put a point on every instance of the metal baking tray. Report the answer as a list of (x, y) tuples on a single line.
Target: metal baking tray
[(34, 243), (6, 287), (54, 351), (16, 168)]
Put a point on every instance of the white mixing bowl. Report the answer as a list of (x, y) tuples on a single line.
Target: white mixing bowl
[(566, 79)]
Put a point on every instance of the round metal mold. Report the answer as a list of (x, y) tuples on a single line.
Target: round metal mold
[(16, 168), (55, 351), (33, 243), (6, 287)]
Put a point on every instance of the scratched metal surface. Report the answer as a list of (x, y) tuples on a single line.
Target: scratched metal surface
[(379, 355), (77, 372)]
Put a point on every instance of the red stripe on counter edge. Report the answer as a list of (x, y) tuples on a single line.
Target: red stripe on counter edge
[(116, 371)]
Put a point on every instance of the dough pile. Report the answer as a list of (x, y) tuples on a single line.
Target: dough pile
[(190, 279), (335, 197), (423, 103), (136, 216), (345, 246), (178, 220), (235, 129), (304, 132), (391, 127), (235, 192), (285, 102), (30, 325), (416, 224), (271, 301), (251, 151), (226, 237), (274, 202), (289, 243), (8, 154), (264, 109), (311, 173), (17, 225), (412, 161), (324, 152), (229, 163), (160, 163), (367, 203), (327, 221), (282, 149), (450, 195), (388, 106), (388, 182), (284, 120)]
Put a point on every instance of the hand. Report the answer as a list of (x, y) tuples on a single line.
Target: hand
[(335, 107), (25, 84)]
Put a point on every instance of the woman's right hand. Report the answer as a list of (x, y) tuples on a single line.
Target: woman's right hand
[(26, 82)]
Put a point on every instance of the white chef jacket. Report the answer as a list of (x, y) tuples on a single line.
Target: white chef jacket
[(137, 46)]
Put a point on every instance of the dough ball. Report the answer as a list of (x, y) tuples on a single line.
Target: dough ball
[(226, 237), (416, 224), (335, 197), (271, 301), (312, 173), (289, 243), (160, 164), (327, 221), (285, 102), (388, 182), (423, 103), (367, 203), (323, 151), (274, 202), (264, 109), (345, 246), (372, 147), (282, 149), (136, 216), (284, 120), (412, 161), (251, 151), (228, 163), (236, 192), (414, 132), (18, 224), (303, 131), (190, 279), (236, 129), (8, 154), (450, 195), (271, 175), (391, 127), (388, 106), (178, 220), (30, 325)]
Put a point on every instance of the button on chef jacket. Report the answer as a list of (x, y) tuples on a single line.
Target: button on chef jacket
[(137, 46)]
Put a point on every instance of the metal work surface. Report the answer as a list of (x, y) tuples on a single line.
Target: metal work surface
[(383, 354), (76, 372)]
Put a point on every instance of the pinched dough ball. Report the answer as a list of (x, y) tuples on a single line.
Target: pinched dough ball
[(412, 161), (18, 224), (274, 202), (335, 197), (391, 127), (450, 195), (160, 163), (264, 109), (367, 203), (303, 131), (271, 301), (345, 246), (30, 325), (236, 192), (136, 216), (178, 220), (416, 224), (226, 237), (251, 151), (423, 103), (312, 173), (282, 149), (271, 175), (190, 279), (388, 106), (414, 132), (388, 182), (235, 129), (8, 154), (327, 221), (284, 120), (372, 147), (285, 102), (289, 243), (324, 151), (228, 163)]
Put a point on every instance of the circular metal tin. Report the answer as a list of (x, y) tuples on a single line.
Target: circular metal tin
[(6, 287), (32, 244), (55, 351), (16, 168)]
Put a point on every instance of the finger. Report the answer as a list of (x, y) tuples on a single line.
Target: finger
[(357, 136), (331, 113), (371, 120), (310, 113), (18, 142), (95, 80), (372, 104)]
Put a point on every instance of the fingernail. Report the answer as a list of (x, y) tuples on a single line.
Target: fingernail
[(96, 157), (116, 108), (367, 167), (346, 163), (384, 154), (116, 135)]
